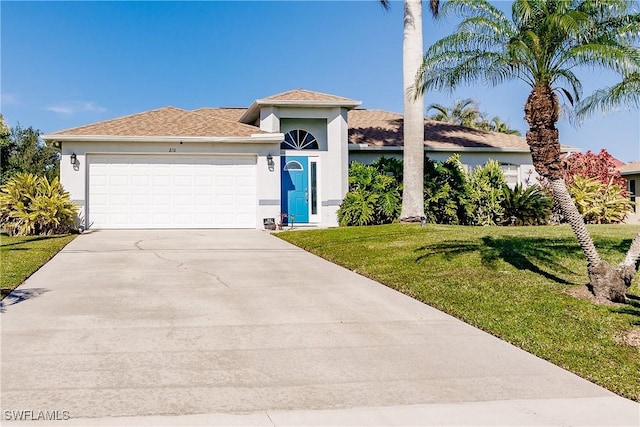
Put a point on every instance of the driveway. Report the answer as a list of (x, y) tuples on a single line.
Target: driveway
[(237, 327)]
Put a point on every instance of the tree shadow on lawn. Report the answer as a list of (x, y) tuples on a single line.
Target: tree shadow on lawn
[(27, 241), (538, 255)]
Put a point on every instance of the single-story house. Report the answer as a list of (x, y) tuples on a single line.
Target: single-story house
[(631, 171), (285, 156)]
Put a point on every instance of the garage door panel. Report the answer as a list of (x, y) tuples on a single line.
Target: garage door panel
[(147, 191)]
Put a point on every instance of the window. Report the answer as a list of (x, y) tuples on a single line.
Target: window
[(314, 188), (632, 193), (511, 174), (293, 166), (299, 139)]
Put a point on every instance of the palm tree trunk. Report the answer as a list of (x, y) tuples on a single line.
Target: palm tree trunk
[(413, 129), (541, 112)]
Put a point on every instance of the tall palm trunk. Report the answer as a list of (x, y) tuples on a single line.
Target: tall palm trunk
[(541, 113), (413, 130)]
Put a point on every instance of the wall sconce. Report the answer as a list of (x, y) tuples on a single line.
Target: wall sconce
[(270, 162), (74, 159)]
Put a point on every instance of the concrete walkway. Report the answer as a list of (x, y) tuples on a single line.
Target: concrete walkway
[(215, 327)]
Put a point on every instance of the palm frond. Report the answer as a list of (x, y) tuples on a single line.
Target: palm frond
[(627, 92)]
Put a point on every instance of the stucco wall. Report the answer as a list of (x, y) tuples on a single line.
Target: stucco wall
[(74, 179)]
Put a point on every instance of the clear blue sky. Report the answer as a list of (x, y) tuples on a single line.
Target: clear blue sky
[(66, 64)]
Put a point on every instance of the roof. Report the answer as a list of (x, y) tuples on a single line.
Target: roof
[(378, 128), (630, 168), (306, 95), (297, 98), (167, 121)]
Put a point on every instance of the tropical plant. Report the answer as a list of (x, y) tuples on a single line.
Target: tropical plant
[(525, 206), (465, 113), (373, 197), (598, 166), (543, 45), (31, 204), (446, 199), (627, 92), (413, 126), (486, 194), (599, 203)]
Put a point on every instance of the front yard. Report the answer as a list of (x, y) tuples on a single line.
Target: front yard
[(513, 282), (20, 257)]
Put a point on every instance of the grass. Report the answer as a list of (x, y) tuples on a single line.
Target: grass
[(21, 256), (509, 281)]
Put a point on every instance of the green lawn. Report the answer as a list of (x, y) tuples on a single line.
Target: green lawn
[(21, 256), (509, 281)]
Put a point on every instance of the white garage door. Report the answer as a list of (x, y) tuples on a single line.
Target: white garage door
[(146, 191)]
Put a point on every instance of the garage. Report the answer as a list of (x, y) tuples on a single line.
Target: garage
[(171, 191)]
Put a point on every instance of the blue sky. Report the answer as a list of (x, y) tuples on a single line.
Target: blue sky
[(66, 64)]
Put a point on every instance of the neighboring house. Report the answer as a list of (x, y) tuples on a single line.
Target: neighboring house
[(375, 133), (631, 172), (286, 155)]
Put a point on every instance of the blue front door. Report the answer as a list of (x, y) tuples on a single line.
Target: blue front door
[(295, 189)]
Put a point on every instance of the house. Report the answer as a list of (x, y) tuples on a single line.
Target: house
[(285, 156), (631, 171)]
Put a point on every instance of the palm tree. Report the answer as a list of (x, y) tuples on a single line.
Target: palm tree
[(464, 112), (626, 92), (413, 127), (542, 45)]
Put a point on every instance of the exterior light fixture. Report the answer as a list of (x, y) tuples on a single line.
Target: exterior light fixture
[(270, 162), (74, 159)]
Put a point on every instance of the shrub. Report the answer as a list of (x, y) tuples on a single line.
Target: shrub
[(31, 205), (486, 193), (373, 197), (446, 198), (597, 202), (530, 206)]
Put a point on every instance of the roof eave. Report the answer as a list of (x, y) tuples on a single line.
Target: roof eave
[(366, 147), (258, 138), (253, 112)]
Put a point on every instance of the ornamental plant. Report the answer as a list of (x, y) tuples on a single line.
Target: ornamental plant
[(31, 205)]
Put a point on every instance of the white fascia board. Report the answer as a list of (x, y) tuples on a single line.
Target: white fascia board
[(354, 147), (293, 103), (365, 147), (258, 138)]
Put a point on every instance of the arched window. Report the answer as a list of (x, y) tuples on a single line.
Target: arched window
[(299, 139), (293, 166)]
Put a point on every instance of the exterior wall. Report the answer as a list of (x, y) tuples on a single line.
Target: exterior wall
[(329, 126), (525, 172), (634, 218), (74, 178)]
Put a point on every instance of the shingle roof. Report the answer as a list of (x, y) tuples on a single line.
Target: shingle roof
[(167, 121), (305, 95), (229, 113), (384, 128), (630, 168)]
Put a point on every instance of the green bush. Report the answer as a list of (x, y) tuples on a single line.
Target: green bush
[(446, 199), (530, 206), (31, 205), (599, 203), (486, 194), (373, 197)]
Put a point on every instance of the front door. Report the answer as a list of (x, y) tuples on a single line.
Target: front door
[(295, 189)]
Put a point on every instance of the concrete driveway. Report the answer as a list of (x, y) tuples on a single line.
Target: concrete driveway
[(209, 327)]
